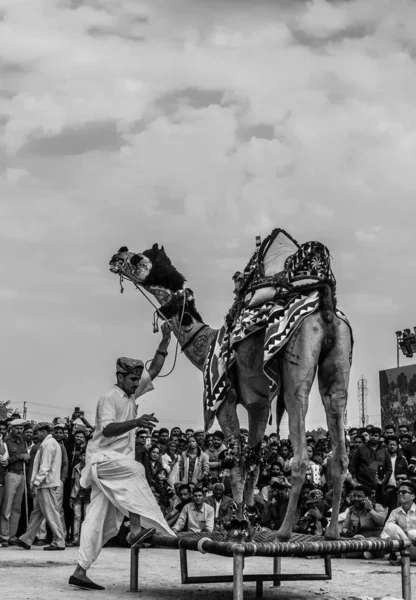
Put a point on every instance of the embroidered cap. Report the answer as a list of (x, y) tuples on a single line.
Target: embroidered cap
[(129, 366)]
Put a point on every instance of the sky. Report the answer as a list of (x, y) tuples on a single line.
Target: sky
[(196, 124)]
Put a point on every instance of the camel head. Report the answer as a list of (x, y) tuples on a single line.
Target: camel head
[(149, 268)]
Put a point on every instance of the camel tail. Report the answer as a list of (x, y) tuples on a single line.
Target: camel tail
[(328, 302)]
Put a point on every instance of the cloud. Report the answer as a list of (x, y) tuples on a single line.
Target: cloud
[(130, 123)]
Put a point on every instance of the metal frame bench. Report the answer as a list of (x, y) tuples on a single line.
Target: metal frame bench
[(265, 546)]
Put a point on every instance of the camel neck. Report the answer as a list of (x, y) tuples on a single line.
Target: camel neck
[(193, 336)]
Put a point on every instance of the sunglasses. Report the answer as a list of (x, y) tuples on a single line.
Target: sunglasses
[(402, 493)]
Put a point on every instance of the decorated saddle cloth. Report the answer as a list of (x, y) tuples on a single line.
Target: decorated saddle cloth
[(279, 323)]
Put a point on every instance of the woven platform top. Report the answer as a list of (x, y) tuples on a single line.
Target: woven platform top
[(266, 544)]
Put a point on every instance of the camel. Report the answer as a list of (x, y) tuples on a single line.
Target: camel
[(321, 344)]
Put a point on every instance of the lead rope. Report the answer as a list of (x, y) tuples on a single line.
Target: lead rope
[(157, 315)]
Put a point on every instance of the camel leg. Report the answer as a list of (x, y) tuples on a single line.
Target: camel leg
[(298, 368), (230, 426), (258, 415), (333, 377)]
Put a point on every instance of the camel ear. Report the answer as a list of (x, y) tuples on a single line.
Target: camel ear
[(155, 247), (123, 249)]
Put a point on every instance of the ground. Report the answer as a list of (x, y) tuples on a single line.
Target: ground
[(28, 575)]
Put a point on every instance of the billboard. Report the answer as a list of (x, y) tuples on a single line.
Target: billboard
[(398, 395)]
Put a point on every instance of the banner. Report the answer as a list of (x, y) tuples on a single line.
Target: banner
[(398, 395)]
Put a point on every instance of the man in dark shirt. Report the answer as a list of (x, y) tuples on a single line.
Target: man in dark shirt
[(15, 481), (140, 446), (370, 465)]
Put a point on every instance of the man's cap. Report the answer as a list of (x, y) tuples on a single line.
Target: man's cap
[(129, 366), (42, 425), (17, 422), (198, 431)]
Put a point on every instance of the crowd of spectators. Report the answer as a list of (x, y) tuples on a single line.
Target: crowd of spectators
[(188, 471)]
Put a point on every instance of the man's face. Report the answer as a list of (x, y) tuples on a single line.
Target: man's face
[(17, 430), (404, 442), (79, 439), (217, 441), (199, 438), (175, 431), (36, 437), (389, 431), (403, 429), (184, 494), (405, 495), (28, 435), (189, 432), (374, 438), (163, 437), (141, 439), (58, 434), (392, 446), (198, 498), (128, 383), (274, 449), (218, 492), (358, 441), (3, 430), (358, 498)]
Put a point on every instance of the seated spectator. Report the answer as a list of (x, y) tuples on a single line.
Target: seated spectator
[(197, 516), (401, 524), (275, 476), (313, 521), (152, 464), (365, 517), (183, 492), (346, 492), (221, 505)]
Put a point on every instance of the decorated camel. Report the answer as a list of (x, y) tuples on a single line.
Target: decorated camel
[(282, 329)]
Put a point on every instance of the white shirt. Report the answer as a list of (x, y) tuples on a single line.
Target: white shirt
[(117, 407), (392, 480), (47, 464)]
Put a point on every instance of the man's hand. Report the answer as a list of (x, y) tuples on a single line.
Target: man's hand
[(33, 490), (147, 421), (368, 505), (166, 330), (25, 457)]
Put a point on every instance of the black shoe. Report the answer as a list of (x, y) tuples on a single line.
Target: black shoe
[(53, 548), (86, 585), (41, 543), (20, 543)]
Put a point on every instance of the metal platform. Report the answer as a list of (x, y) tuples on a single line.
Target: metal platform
[(265, 545)]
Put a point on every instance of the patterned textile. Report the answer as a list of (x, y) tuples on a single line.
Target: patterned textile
[(279, 323)]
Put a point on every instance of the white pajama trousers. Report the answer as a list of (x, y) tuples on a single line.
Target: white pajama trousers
[(118, 487), (394, 532)]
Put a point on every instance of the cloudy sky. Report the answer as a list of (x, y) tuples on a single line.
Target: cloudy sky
[(197, 124)]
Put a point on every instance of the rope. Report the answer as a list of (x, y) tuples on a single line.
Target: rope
[(157, 314)]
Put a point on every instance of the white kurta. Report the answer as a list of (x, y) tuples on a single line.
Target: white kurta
[(118, 482)]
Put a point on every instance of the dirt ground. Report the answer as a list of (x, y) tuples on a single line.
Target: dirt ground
[(37, 575)]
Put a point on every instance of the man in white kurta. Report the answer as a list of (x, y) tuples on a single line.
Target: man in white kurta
[(118, 482)]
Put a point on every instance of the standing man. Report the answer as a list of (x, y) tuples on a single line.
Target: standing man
[(118, 483), (15, 481), (59, 434), (45, 486), (370, 464)]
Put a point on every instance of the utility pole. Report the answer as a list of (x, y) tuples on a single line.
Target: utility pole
[(362, 393), (24, 410)]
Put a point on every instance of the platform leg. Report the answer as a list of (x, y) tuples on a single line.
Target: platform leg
[(277, 569), (184, 565), (328, 565), (259, 589), (134, 569), (238, 564), (406, 580)]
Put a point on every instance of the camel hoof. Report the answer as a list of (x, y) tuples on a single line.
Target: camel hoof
[(332, 535), (282, 537)]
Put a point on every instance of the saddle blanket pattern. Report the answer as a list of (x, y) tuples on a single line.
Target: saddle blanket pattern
[(279, 323)]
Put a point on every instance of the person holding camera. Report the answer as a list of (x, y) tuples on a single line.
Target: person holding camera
[(118, 483), (365, 517)]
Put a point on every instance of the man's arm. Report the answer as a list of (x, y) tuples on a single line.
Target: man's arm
[(379, 514), (161, 352), (115, 429), (181, 522), (46, 456), (209, 524)]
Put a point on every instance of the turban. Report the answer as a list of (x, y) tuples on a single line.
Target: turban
[(129, 366), (17, 422)]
